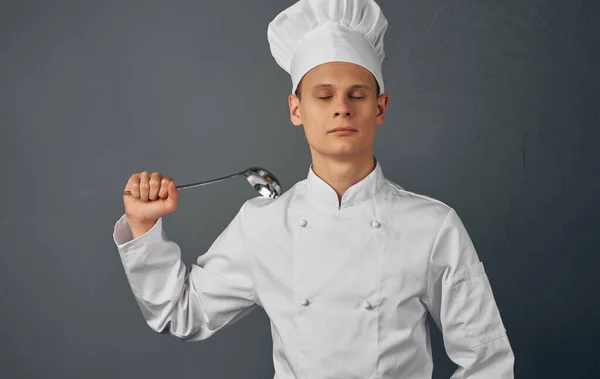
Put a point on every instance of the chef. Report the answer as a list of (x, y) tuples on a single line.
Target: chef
[(346, 264)]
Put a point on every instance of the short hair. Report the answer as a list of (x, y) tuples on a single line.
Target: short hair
[(297, 92)]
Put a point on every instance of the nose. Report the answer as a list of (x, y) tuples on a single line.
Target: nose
[(342, 108)]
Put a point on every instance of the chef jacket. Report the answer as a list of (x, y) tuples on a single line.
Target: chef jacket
[(347, 286)]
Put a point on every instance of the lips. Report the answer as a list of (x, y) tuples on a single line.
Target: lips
[(343, 129)]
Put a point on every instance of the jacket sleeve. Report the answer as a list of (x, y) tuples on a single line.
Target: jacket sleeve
[(460, 300), (189, 303)]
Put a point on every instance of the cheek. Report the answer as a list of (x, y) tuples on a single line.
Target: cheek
[(314, 118), (369, 110), (313, 131), (314, 128)]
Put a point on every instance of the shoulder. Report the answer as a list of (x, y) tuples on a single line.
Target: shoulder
[(426, 213), (260, 206), (413, 203)]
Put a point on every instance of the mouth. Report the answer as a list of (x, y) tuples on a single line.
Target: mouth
[(346, 130)]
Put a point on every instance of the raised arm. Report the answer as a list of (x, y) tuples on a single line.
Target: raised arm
[(190, 303)]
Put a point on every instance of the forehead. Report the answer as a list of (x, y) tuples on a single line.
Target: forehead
[(339, 73)]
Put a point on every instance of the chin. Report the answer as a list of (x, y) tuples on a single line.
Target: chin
[(342, 147), (343, 151)]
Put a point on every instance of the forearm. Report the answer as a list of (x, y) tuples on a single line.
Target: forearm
[(461, 301), (139, 228), (157, 277), (492, 360), (189, 304)]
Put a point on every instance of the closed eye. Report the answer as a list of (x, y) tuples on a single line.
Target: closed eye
[(352, 97)]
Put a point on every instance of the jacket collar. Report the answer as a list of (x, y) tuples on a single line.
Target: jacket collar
[(321, 192)]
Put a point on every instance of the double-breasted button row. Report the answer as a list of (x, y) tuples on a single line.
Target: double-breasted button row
[(366, 304), (374, 223)]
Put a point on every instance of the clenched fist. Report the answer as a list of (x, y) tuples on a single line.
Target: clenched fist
[(149, 196)]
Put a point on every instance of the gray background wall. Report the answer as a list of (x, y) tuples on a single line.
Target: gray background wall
[(493, 110)]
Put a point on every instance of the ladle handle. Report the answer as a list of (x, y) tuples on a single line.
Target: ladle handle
[(184, 186)]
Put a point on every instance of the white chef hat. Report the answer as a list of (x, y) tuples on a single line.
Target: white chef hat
[(312, 32)]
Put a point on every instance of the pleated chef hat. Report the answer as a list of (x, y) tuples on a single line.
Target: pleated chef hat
[(312, 32)]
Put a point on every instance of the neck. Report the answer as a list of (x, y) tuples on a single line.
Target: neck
[(342, 173)]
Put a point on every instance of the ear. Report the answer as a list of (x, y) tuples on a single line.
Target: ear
[(382, 102), (294, 104)]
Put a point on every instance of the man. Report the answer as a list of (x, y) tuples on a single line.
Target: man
[(354, 262)]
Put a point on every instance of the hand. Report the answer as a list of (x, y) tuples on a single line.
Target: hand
[(149, 196)]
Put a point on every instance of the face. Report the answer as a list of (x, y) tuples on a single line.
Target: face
[(338, 95)]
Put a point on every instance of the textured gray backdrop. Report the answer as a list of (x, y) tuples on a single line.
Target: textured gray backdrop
[(493, 110)]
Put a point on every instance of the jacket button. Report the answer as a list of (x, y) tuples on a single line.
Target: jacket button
[(367, 304), (304, 302), (303, 223), (375, 224)]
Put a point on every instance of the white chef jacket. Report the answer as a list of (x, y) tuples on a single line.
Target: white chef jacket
[(346, 287)]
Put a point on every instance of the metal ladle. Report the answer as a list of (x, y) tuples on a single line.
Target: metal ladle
[(263, 181)]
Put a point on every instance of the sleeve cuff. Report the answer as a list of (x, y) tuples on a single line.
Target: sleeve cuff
[(123, 237)]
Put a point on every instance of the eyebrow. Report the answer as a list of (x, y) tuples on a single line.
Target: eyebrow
[(354, 86)]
